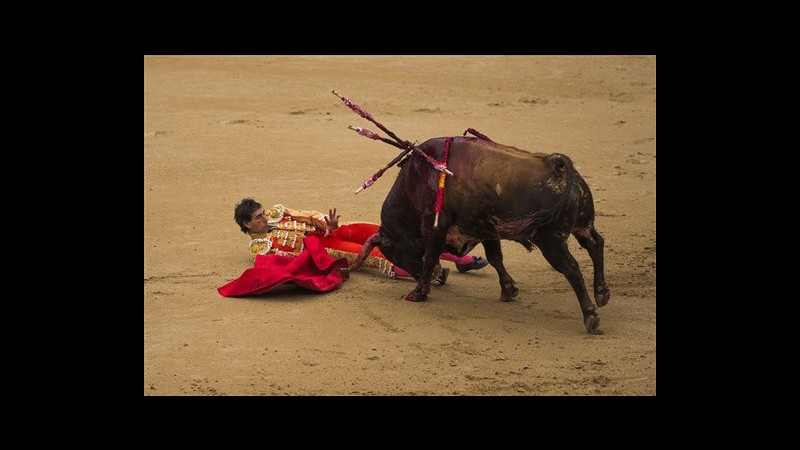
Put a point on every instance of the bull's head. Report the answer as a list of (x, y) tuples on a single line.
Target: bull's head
[(405, 253)]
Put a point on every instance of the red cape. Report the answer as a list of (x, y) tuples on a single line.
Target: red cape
[(313, 269)]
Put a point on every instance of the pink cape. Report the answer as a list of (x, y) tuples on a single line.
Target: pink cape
[(313, 269)]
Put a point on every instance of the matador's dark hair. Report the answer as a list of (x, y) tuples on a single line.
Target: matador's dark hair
[(244, 212)]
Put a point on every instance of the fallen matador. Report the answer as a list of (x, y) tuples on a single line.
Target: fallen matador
[(308, 248)]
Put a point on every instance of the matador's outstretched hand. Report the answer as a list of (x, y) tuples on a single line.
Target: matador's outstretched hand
[(332, 221)]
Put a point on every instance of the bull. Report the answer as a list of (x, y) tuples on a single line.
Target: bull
[(498, 192)]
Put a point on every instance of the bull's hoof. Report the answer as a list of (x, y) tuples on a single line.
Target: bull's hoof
[(602, 295), (344, 272), (507, 298), (508, 293), (592, 323), (414, 297)]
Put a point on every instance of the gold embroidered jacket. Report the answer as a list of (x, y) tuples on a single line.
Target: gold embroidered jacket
[(287, 228)]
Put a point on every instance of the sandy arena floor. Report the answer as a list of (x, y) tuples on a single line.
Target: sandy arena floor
[(217, 129)]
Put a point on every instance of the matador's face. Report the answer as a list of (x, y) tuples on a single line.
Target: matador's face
[(258, 222)]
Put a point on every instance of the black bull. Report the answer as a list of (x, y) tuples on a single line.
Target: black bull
[(497, 192)]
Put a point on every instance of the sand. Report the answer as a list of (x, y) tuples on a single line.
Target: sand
[(220, 128)]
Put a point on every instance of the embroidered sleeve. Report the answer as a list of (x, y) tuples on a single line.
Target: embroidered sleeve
[(315, 218)]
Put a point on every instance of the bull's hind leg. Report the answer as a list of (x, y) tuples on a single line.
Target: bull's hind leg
[(591, 240), (557, 253), (508, 289)]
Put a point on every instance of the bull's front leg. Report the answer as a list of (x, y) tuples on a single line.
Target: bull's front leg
[(369, 244), (433, 239)]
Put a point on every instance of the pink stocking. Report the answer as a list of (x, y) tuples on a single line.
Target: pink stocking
[(400, 272), (445, 256), (451, 257)]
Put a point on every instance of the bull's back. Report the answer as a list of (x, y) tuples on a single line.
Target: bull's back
[(491, 178), (505, 169)]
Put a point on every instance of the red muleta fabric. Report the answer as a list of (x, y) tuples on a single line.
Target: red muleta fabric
[(313, 269)]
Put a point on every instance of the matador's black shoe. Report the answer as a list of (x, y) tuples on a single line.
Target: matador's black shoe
[(477, 263), (442, 278)]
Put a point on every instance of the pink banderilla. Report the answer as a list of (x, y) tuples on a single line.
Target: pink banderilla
[(405, 145)]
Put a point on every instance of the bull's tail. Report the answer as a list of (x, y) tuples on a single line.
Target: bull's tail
[(367, 247), (524, 228)]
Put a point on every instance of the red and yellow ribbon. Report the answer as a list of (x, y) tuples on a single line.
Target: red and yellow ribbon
[(442, 177)]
